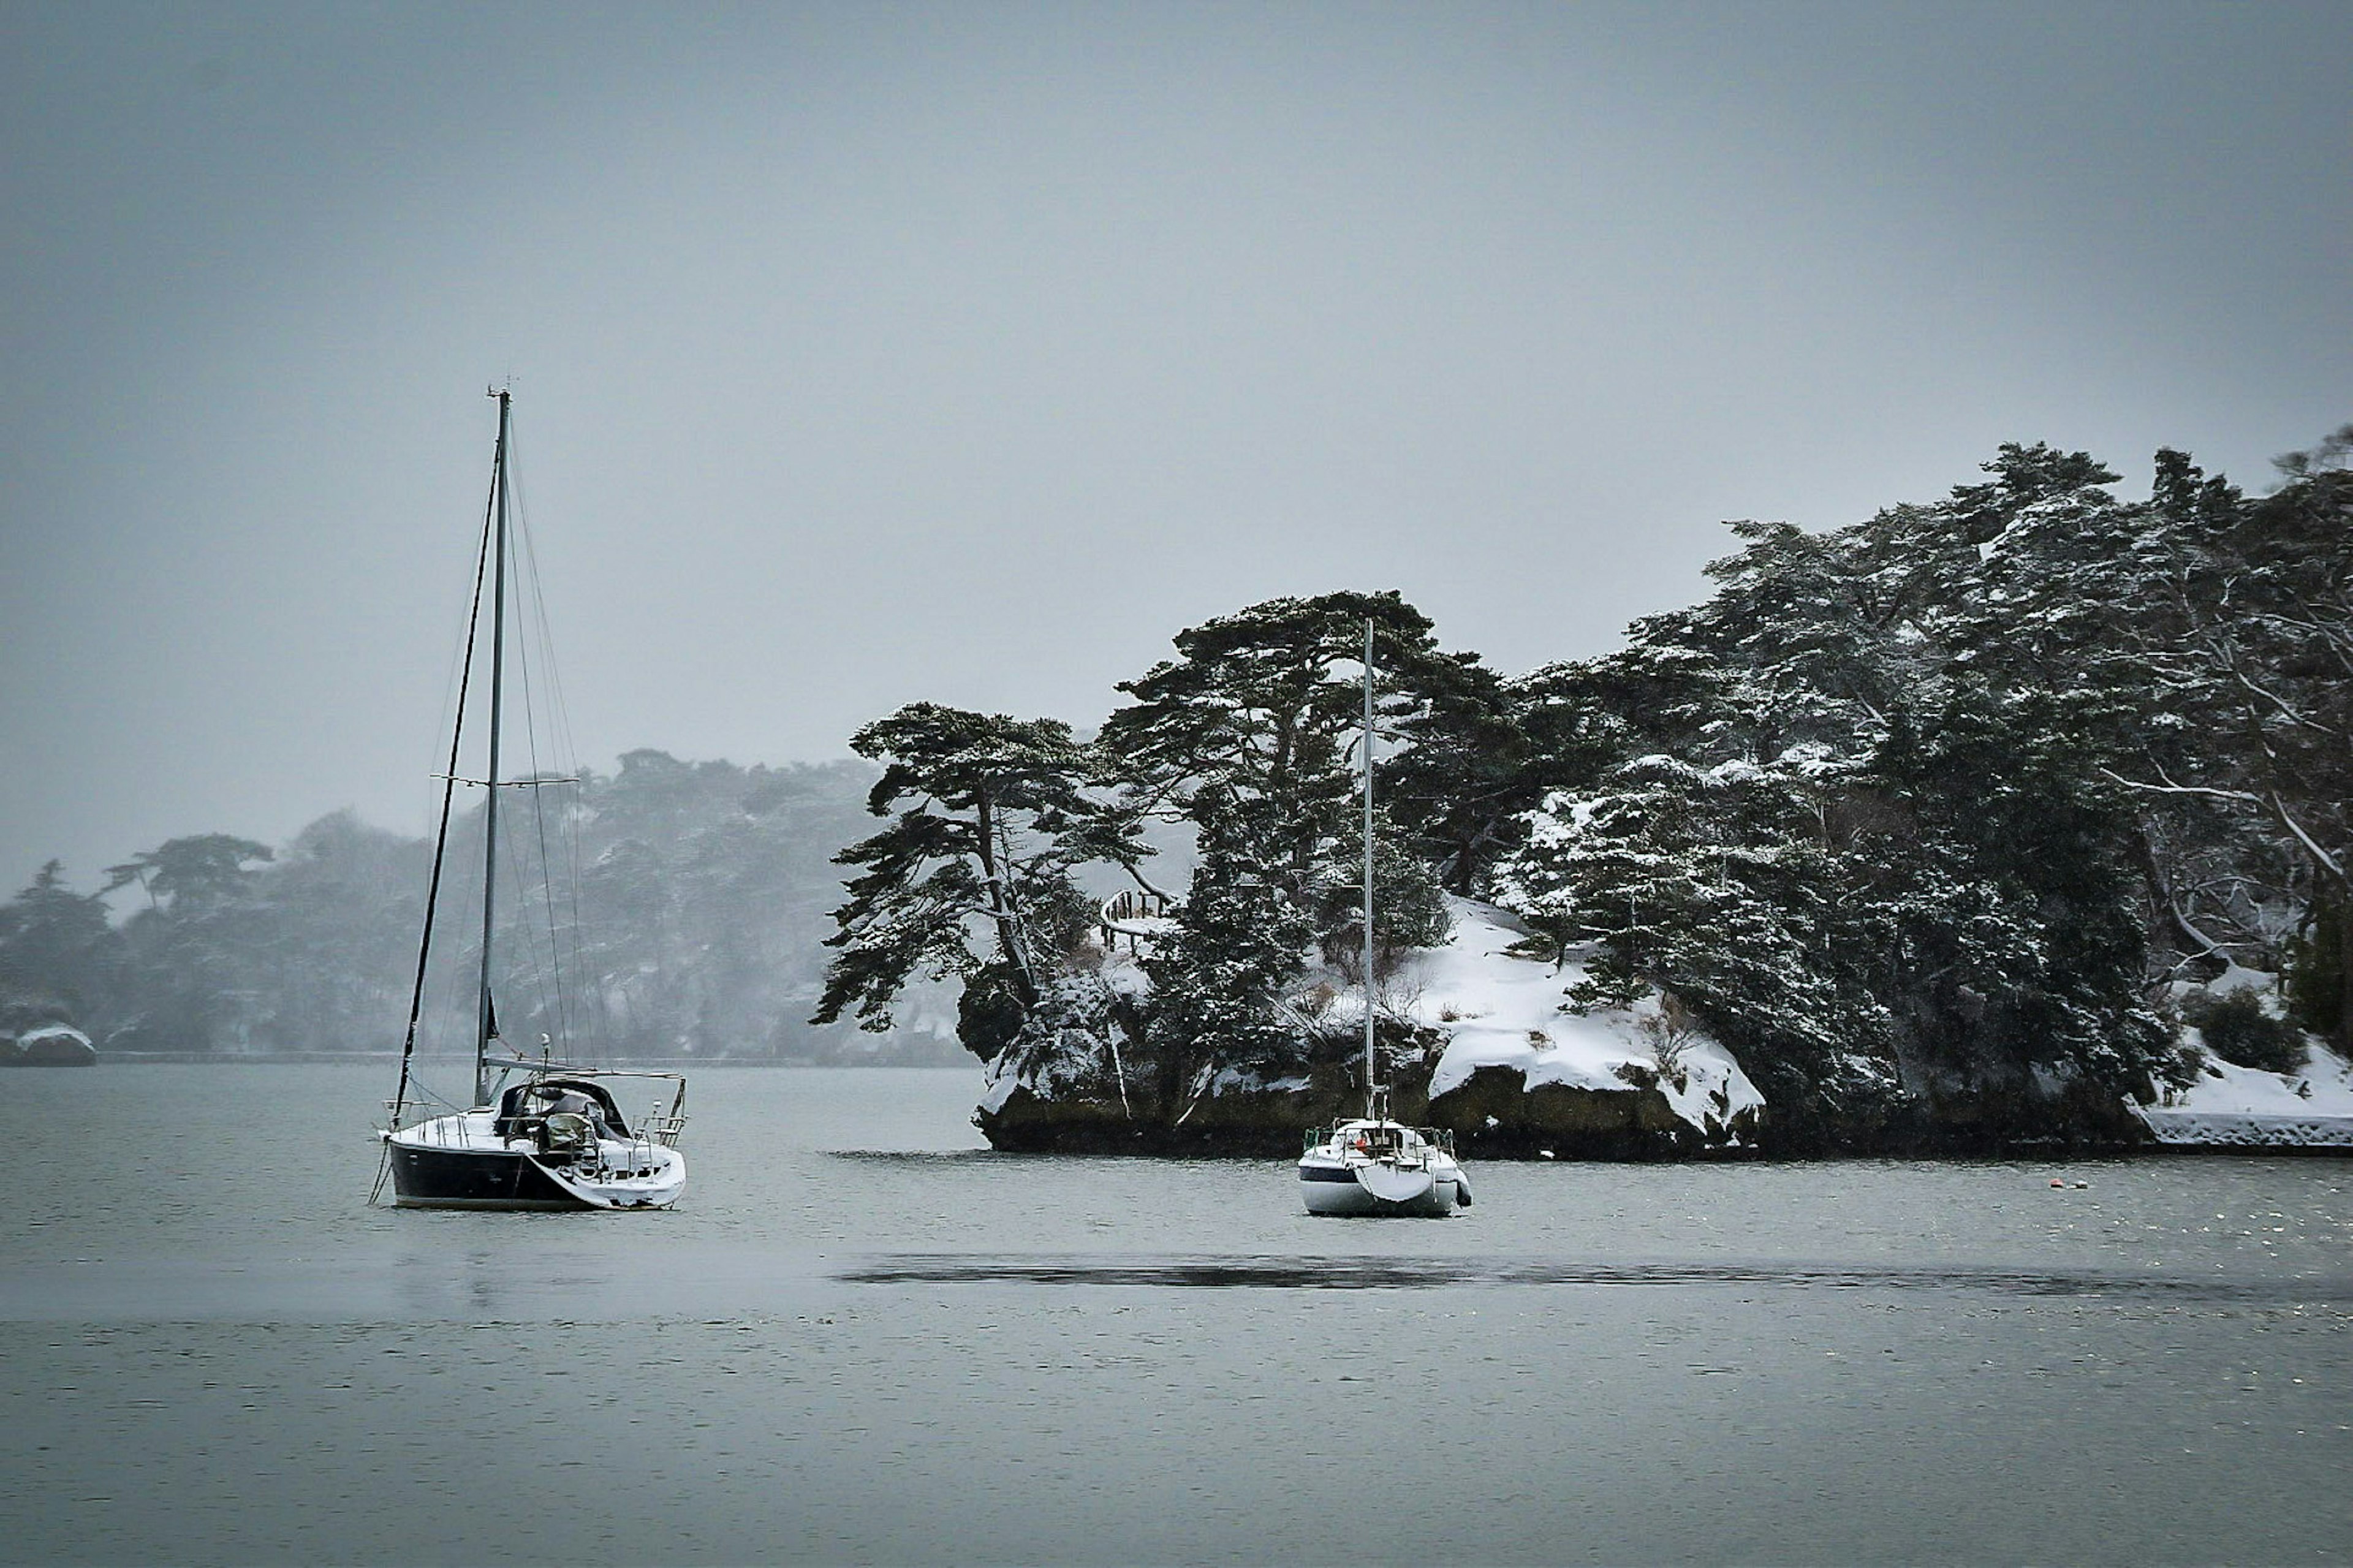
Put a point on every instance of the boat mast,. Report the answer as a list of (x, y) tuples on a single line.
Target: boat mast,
[(1371, 1093), (487, 1022)]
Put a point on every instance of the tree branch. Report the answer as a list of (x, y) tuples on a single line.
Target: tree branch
[(2169, 787)]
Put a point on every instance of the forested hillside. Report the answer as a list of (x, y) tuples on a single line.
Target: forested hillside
[(1936, 821), (691, 927)]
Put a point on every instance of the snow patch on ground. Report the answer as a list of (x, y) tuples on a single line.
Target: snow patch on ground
[(1000, 1086), (1498, 1009), (2234, 1105), (2238, 1106), (2238, 977), (1494, 1008), (1237, 1080)]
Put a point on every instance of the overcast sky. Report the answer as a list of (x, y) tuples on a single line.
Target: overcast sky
[(865, 353)]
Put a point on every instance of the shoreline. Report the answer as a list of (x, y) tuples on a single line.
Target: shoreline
[(1144, 1145)]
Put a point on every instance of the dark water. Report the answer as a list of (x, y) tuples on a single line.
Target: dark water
[(866, 1340)]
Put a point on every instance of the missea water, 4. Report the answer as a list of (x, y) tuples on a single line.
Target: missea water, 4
[(874, 1341)]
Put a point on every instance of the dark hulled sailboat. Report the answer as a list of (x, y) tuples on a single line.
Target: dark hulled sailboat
[(538, 1134)]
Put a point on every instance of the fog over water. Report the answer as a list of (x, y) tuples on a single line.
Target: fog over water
[(871, 354)]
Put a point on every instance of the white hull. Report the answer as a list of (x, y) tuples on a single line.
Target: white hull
[(1374, 1169), (1353, 1200)]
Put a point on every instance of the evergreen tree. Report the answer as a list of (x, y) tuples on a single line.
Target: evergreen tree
[(1219, 982), (189, 953), (191, 876), (1465, 772), (1262, 707), (1871, 820), (972, 877), (57, 951), (1250, 736)]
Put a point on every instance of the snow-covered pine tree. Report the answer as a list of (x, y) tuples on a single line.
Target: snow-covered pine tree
[(1249, 735), (972, 877), (1262, 706), (1460, 770), (1719, 887), (1872, 830), (1218, 981), (2252, 642)]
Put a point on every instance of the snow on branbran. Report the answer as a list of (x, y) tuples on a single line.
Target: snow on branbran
[(1498, 1009)]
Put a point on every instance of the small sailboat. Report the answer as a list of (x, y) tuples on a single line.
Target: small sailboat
[(1376, 1167), (1373, 1165), (538, 1134)]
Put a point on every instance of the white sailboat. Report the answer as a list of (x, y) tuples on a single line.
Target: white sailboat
[(539, 1134), (1373, 1165)]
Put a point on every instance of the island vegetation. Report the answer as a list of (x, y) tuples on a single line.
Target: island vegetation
[(1945, 825)]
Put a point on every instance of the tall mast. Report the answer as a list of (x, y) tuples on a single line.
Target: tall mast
[(1370, 1100), (487, 1021)]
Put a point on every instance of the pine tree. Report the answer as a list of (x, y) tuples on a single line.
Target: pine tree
[(187, 954), (1263, 706), (1249, 735), (57, 953), (1868, 822), (1218, 981), (992, 814)]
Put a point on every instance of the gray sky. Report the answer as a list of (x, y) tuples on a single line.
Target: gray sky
[(965, 351)]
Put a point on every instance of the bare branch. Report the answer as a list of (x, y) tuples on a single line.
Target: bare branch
[(2169, 787), (2326, 861)]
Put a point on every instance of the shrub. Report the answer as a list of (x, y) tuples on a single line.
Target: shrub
[(2239, 1029)]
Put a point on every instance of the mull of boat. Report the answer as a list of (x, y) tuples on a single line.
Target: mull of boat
[(1373, 1165), (538, 1133)]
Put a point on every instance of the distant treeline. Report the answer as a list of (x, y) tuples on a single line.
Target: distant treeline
[(685, 918)]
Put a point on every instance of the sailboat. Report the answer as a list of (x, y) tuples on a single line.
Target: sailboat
[(1373, 1165), (538, 1133)]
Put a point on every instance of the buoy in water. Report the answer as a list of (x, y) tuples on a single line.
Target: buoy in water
[(2057, 1183)]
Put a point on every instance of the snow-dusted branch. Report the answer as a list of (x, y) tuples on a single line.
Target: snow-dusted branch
[(2326, 861), (2169, 787)]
